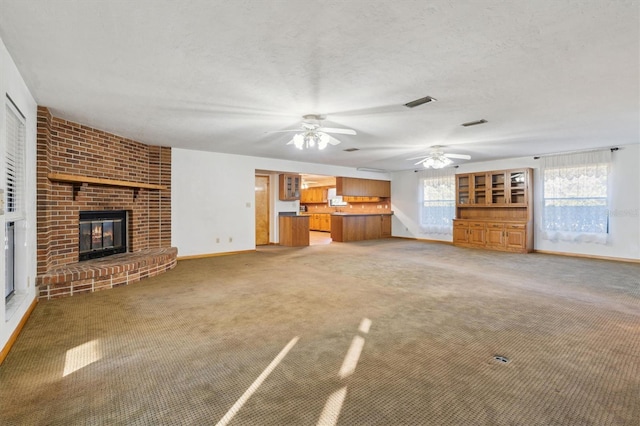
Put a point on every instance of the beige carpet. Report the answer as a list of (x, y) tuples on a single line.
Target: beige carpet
[(387, 332)]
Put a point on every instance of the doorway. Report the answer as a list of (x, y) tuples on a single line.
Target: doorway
[(262, 210)]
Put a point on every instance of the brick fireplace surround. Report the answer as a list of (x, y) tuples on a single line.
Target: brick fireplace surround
[(83, 169)]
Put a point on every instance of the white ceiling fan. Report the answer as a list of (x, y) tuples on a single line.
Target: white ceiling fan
[(313, 135), (438, 159)]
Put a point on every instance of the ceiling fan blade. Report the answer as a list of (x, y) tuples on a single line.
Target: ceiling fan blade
[(415, 158), (283, 131), (331, 140), (337, 131), (291, 142), (459, 156), (421, 161)]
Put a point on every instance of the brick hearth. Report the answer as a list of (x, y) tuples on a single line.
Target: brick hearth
[(105, 273)]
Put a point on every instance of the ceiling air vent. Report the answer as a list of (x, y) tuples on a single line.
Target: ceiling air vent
[(474, 123), (351, 149), (419, 102)]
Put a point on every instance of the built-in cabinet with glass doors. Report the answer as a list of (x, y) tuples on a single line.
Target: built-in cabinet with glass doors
[(494, 210), (289, 187)]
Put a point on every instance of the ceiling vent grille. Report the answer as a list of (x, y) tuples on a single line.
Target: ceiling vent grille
[(351, 149), (419, 102), (474, 123)]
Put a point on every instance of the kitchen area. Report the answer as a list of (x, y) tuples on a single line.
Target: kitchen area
[(346, 209)]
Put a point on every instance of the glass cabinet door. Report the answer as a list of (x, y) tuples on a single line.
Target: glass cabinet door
[(498, 188), (518, 187), (480, 188), (463, 196)]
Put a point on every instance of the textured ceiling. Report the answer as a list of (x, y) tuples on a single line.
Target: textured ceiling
[(548, 75)]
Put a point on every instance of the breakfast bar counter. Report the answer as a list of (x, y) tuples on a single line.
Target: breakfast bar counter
[(347, 227)]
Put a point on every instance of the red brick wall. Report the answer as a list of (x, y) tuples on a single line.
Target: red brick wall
[(66, 147)]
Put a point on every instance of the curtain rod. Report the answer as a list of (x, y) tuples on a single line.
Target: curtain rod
[(537, 157)]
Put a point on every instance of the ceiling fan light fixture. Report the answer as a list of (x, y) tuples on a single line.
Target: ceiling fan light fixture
[(313, 135), (311, 139), (298, 140), (437, 162), (420, 101)]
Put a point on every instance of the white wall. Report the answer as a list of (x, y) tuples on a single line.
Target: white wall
[(624, 221), (12, 312), (212, 197)]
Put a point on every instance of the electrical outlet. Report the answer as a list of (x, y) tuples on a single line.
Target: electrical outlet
[(248, 205), (217, 240), (230, 239), (379, 206)]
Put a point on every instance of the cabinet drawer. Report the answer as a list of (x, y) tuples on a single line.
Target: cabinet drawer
[(516, 226), (476, 225), (457, 224), (495, 225)]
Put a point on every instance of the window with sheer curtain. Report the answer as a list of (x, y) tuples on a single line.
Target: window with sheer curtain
[(437, 207), (576, 203)]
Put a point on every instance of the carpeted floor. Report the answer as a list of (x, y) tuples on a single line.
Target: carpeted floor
[(386, 332)]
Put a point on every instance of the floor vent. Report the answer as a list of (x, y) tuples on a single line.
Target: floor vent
[(501, 359)]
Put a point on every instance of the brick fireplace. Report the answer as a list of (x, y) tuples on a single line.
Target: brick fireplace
[(82, 169)]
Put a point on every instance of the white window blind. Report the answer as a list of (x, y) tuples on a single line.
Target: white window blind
[(14, 163), (437, 207), (576, 201)]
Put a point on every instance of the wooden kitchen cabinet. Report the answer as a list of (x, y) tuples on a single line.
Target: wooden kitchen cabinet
[(494, 210), (460, 232), (494, 235), (516, 236), (350, 199), (289, 187), (315, 195), (356, 187), (477, 233), (385, 226), (325, 222), (504, 236), (320, 222), (314, 222)]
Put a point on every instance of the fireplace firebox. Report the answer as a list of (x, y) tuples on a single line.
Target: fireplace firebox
[(102, 233)]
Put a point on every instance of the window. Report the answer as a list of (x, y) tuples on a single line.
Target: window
[(576, 202), (14, 163), (438, 196)]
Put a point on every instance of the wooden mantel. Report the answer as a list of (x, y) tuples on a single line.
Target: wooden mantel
[(58, 177), (85, 180)]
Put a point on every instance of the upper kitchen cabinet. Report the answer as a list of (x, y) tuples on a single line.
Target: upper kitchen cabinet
[(317, 195), (289, 187), (356, 187)]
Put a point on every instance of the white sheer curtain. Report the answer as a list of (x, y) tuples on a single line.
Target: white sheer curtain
[(575, 200), (437, 200)]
